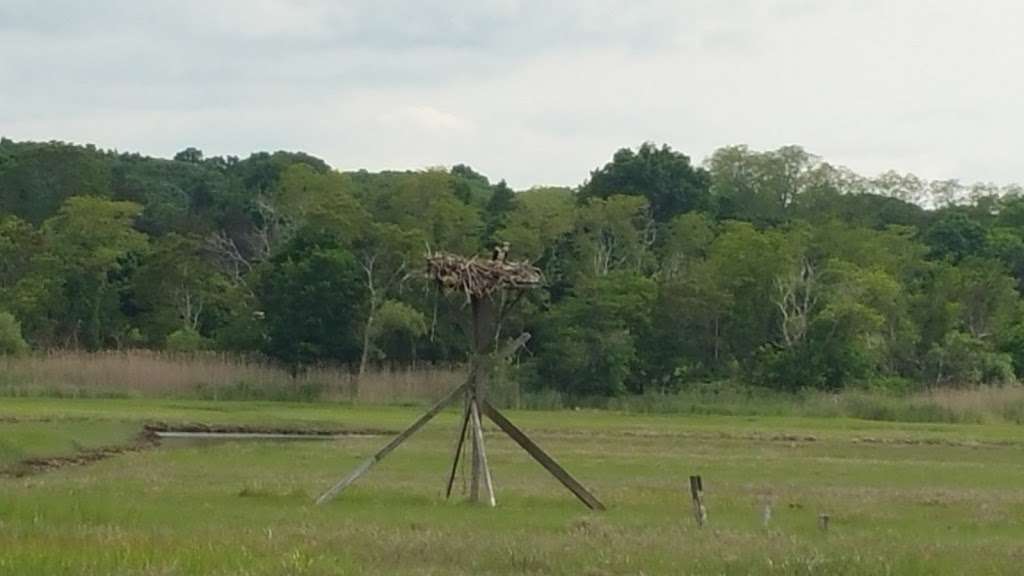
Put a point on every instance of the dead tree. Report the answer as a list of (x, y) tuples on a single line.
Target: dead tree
[(796, 298)]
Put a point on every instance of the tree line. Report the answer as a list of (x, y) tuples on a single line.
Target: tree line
[(774, 268)]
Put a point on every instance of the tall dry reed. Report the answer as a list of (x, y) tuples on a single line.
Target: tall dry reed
[(157, 374)]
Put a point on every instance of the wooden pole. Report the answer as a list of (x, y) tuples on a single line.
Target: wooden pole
[(483, 472), (700, 512), (397, 441), (480, 472), (476, 463), (541, 457), (459, 443)]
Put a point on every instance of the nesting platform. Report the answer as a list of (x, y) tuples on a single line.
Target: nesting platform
[(478, 279)]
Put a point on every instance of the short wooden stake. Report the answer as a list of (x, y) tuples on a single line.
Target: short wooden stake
[(700, 512), (823, 520), (766, 514)]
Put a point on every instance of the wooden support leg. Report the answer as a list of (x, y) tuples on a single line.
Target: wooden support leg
[(459, 443), (369, 462), (474, 469), (541, 457), (700, 512), (483, 471)]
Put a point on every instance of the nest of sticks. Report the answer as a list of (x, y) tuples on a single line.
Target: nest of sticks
[(480, 277)]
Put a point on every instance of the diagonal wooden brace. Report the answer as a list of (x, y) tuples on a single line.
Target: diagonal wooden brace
[(459, 441), (369, 462), (541, 457)]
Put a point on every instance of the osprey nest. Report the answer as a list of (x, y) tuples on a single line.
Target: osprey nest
[(480, 277)]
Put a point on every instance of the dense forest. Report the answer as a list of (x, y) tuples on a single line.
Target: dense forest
[(772, 268)]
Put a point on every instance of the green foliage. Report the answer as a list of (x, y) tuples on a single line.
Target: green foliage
[(469, 186), (304, 196), (663, 176), (74, 292), (590, 339), (173, 194), (768, 188), (19, 243), (538, 224), (176, 288), (425, 202), (397, 329), (398, 318), (955, 236), (190, 154), (39, 178), (187, 341), (11, 341), (965, 360), (313, 298), (612, 234), (502, 201), (767, 267)]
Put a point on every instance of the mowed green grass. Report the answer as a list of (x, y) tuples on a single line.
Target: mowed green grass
[(22, 440), (903, 498)]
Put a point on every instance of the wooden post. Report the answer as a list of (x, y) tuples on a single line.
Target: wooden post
[(483, 472), (479, 373), (474, 473), (483, 324), (700, 512), (823, 520)]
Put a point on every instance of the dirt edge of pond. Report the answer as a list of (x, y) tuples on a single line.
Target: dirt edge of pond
[(155, 427), (149, 438), (145, 440)]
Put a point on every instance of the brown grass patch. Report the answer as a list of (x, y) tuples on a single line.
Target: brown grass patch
[(215, 376)]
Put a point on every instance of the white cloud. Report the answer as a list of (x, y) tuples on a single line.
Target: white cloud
[(424, 118), (527, 90)]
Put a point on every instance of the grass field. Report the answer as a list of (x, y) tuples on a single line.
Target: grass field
[(903, 498)]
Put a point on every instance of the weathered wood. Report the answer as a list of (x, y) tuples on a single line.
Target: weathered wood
[(823, 521), (483, 471), (369, 462), (459, 443), (483, 324), (477, 277), (476, 387), (700, 512), (541, 457), (479, 281), (510, 348), (475, 463)]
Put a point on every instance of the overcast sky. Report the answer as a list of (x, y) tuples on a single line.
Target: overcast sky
[(534, 91)]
